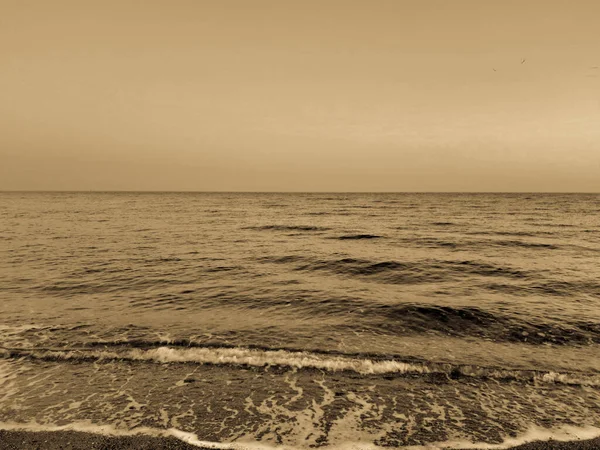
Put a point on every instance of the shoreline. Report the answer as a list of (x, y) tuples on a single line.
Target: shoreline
[(80, 440)]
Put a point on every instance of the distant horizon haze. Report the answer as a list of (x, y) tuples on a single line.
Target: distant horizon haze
[(320, 96), (92, 191)]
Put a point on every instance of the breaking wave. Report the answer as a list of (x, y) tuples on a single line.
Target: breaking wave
[(239, 356)]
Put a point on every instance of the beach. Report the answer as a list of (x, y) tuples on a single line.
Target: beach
[(73, 440)]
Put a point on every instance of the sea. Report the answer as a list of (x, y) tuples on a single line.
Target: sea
[(265, 320)]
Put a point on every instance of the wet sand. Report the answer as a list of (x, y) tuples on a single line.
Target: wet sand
[(592, 444), (75, 440)]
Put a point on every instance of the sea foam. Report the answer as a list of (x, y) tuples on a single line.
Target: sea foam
[(303, 360)]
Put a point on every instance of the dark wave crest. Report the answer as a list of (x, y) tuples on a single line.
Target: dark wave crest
[(443, 224), (396, 272), (511, 233), (475, 322), (353, 237), (555, 288), (475, 245), (287, 228)]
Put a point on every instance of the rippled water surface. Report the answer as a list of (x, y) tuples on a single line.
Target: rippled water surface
[(489, 304)]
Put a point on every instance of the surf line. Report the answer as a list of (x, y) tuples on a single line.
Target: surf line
[(564, 434), (300, 360)]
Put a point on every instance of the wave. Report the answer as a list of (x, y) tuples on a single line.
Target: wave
[(533, 434), (396, 272), (553, 288), (239, 356), (222, 269), (472, 321), (282, 259), (476, 245), (287, 228), (512, 233), (443, 224), (112, 284), (524, 244), (382, 319), (358, 237)]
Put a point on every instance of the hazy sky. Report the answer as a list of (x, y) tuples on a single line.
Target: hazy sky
[(300, 95)]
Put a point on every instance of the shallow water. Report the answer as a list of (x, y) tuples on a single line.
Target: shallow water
[(387, 319)]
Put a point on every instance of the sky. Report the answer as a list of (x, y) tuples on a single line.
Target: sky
[(311, 95)]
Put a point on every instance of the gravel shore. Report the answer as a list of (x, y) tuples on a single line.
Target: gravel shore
[(75, 440)]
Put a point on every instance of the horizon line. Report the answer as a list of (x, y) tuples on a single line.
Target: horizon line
[(100, 191)]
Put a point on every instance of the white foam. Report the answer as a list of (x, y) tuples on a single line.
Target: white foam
[(299, 360), (275, 357), (236, 356), (566, 433), (109, 430)]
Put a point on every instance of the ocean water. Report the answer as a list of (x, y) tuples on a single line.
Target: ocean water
[(302, 320)]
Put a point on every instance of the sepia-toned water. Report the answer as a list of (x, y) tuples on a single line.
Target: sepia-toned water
[(303, 320)]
